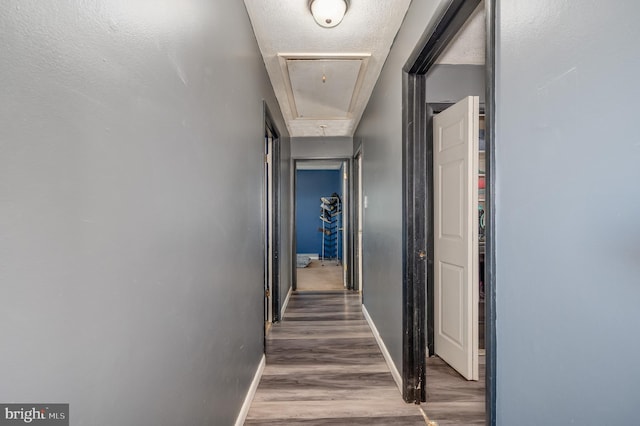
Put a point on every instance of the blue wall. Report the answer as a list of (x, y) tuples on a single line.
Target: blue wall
[(310, 186)]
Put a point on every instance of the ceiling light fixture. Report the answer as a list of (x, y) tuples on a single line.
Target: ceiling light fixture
[(328, 13)]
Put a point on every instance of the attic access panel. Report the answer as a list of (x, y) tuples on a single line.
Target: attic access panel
[(323, 88)]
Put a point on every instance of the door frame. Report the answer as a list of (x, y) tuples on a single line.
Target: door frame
[(418, 196), (272, 262), (357, 220), (347, 258)]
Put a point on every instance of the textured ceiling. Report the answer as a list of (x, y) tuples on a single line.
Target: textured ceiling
[(468, 47), (298, 53)]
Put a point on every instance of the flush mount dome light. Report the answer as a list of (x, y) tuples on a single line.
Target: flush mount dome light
[(328, 13)]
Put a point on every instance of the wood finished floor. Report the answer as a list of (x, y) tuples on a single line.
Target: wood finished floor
[(451, 399), (325, 368), (320, 275)]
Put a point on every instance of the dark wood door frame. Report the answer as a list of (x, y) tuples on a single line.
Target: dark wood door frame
[(414, 244), (270, 130), (417, 157), (356, 203)]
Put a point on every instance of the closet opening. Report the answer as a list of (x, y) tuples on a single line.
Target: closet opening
[(425, 137)]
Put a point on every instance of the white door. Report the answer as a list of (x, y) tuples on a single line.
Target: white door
[(455, 137)]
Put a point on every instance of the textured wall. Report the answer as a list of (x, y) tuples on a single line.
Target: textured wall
[(451, 83), (380, 133), (131, 135), (334, 147), (286, 206), (567, 206)]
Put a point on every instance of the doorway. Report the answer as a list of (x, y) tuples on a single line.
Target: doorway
[(321, 225), (418, 196), (476, 221), (271, 220), (358, 222)]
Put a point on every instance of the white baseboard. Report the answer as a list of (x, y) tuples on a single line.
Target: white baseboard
[(385, 352), (251, 393), (286, 302), (313, 256)]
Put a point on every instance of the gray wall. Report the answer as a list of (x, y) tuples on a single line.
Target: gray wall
[(567, 206), (380, 133), (286, 223), (319, 147), (449, 83), (131, 139), (567, 203)]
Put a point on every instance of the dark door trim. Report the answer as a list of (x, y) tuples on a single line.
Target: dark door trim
[(294, 245), (270, 130), (356, 202), (414, 192), (490, 215), (452, 16), (417, 190), (347, 206)]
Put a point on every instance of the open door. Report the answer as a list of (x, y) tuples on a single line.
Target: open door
[(456, 291)]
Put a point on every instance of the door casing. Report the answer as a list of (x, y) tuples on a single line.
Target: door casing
[(272, 221), (358, 221)]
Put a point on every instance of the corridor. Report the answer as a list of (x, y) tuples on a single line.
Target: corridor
[(325, 368), (149, 151)]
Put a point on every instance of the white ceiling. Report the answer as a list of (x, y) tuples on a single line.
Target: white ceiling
[(299, 55), (323, 77), (319, 165), (468, 47), (323, 88)]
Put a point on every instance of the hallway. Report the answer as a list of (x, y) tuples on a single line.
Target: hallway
[(325, 368), (134, 208)]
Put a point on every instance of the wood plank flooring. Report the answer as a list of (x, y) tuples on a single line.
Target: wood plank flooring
[(325, 368), (320, 275), (451, 399)]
